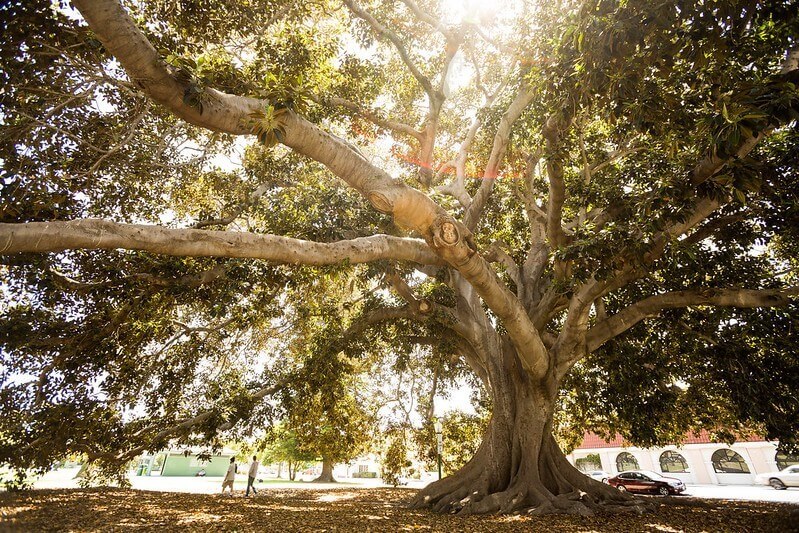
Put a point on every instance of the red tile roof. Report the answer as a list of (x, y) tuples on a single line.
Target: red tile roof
[(592, 440)]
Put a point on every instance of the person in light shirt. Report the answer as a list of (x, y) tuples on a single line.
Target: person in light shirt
[(230, 476), (251, 476)]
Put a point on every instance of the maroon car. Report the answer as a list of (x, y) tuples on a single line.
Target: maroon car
[(647, 482)]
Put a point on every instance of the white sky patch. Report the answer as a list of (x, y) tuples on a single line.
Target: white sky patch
[(102, 105), (459, 75), (353, 48), (67, 10), (167, 217), (471, 11), (757, 250), (682, 385), (460, 399), (231, 161)]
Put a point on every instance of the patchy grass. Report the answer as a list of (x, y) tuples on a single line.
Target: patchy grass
[(343, 509)]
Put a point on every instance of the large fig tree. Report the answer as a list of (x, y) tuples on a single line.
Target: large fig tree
[(557, 194)]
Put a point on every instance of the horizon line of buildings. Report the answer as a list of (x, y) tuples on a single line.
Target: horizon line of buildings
[(698, 460)]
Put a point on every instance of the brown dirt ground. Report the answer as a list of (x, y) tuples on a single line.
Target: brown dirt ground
[(289, 510)]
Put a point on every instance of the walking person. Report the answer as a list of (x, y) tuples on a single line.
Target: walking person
[(251, 476), (230, 476)]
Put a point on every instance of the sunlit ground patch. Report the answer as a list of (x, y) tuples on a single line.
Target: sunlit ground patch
[(661, 527), (337, 496)]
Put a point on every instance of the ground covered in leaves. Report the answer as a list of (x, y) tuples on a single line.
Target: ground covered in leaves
[(286, 510)]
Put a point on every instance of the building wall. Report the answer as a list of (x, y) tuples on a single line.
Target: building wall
[(179, 465), (694, 457), (758, 456)]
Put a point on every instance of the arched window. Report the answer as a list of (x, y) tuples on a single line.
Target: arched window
[(784, 460), (671, 461), (726, 461), (626, 461)]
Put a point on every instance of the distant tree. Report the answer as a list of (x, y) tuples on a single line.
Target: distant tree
[(462, 434), (330, 424), (280, 446), (395, 463)]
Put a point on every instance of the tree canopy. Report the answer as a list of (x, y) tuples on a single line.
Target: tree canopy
[(590, 209)]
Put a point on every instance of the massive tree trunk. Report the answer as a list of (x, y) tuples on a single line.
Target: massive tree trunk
[(519, 466), (327, 472)]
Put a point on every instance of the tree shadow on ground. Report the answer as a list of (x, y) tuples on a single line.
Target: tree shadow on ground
[(286, 510)]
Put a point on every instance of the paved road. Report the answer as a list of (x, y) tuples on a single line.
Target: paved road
[(65, 478), (744, 492), (209, 485)]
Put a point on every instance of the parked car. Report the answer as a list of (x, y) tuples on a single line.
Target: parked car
[(787, 477), (599, 475), (647, 482)]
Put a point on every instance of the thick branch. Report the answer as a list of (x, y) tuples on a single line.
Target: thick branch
[(103, 234), (496, 253), (557, 186), (377, 316), (428, 19), (458, 324), (456, 188), (373, 116), (411, 209), (120, 36), (406, 293), (703, 209), (791, 62), (630, 316), (227, 113), (711, 227), (500, 145), (576, 322), (396, 41), (536, 219), (476, 270), (712, 164), (474, 359)]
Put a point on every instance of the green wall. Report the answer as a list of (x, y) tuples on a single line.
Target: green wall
[(179, 465)]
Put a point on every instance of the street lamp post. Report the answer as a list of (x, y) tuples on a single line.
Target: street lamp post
[(439, 440)]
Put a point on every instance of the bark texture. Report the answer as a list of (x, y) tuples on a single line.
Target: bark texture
[(99, 234), (519, 466)]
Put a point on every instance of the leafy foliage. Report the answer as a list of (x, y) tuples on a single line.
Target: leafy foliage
[(395, 459), (280, 445)]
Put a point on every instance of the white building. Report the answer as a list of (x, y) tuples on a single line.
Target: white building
[(698, 460)]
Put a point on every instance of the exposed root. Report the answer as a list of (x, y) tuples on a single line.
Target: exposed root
[(574, 508), (527, 495), (324, 479), (519, 467), (443, 494), (637, 507), (451, 501)]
